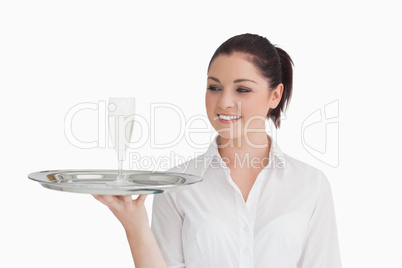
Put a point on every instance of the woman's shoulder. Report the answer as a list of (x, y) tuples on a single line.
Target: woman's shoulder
[(292, 167), (299, 170), (294, 163)]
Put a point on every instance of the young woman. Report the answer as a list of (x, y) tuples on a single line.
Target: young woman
[(256, 206)]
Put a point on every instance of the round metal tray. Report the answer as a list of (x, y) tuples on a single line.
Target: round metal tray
[(98, 181)]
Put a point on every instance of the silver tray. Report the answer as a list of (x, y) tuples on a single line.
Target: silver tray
[(97, 181)]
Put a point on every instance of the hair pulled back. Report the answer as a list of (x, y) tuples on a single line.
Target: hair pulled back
[(273, 62)]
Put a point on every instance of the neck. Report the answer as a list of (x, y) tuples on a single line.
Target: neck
[(247, 150)]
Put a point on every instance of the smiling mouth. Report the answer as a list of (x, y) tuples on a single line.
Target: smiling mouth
[(228, 117)]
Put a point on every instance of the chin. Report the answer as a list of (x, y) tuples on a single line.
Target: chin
[(227, 135)]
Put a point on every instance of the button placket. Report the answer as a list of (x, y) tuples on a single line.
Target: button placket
[(245, 239)]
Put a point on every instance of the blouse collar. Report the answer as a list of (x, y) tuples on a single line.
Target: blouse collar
[(277, 157)]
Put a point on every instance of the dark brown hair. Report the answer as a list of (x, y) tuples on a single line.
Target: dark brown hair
[(273, 62)]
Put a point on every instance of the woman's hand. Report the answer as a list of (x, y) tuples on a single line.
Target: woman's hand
[(131, 213), (134, 218)]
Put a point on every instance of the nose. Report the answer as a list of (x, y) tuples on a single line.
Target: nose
[(226, 100)]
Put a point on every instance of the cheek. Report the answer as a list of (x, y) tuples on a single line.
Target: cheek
[(257, 106), (262, 105), (255, 113), (210, 108), (209, 103)]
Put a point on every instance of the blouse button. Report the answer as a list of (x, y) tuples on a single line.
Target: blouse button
[(246, 251)]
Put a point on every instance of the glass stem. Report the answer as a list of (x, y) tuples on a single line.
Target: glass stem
[(120, 172)]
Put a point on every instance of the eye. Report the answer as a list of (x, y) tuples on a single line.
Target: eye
[(243, 90), (212, 88)]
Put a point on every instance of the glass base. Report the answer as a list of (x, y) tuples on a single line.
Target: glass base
[(119, 183)]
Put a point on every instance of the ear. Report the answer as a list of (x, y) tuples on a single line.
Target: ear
[(276, 96)]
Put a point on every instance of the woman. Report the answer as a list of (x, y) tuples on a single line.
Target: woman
[(256, 206)]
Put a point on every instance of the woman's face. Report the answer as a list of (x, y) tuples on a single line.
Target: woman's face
[(238, 97)]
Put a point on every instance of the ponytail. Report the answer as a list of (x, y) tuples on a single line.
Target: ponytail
[(287, 81)]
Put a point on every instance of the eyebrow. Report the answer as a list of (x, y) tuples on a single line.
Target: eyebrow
[(235, 81)]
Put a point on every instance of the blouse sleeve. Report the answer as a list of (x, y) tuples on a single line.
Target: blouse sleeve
[(321, 247), (166, 225)]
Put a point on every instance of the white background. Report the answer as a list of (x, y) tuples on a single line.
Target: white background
[(56, 54)]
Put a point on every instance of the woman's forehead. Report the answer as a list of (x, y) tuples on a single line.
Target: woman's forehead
[(234, 66)]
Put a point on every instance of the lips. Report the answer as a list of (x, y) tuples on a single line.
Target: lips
[(228, 118)]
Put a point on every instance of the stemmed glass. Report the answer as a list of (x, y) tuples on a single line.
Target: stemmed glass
[(121, 125)]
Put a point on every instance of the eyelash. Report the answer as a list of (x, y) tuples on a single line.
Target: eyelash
[(242, 90)]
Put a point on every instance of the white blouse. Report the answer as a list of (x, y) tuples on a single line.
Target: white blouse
[(287, 221)]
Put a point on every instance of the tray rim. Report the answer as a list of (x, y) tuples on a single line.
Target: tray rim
[(39, 176)]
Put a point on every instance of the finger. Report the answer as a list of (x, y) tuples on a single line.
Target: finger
[(101, 199), (110, 199), (115, 203), (119, 197), (141, 199), (128, 200)]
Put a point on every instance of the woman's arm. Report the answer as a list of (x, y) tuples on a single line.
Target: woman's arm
[(167, 225), (133, 216), (321, 248)]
